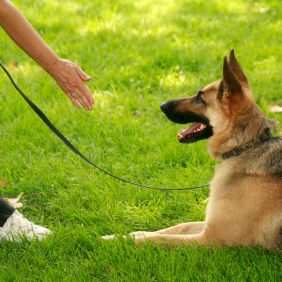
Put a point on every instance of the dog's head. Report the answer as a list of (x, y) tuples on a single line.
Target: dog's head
[(221, 112)]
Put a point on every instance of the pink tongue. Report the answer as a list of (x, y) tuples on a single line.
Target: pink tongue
[(190, 129)]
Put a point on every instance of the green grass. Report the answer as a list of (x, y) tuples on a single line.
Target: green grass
[(139, 54)]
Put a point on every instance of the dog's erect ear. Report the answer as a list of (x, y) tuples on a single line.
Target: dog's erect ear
[(230, 82), (236, 68)]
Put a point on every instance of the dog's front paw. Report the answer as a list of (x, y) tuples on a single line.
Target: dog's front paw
[(133, 235), (141, 233), (140, 237), (109, 237), (137, 234)]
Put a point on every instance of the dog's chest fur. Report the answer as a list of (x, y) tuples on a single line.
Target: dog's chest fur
[(243, 194)]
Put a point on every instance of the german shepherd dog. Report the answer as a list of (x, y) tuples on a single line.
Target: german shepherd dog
[(245, 203)]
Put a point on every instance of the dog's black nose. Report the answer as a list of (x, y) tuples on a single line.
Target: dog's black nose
[(164, 106)]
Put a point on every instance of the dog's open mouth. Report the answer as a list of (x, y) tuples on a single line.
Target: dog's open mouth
[(196, 132)]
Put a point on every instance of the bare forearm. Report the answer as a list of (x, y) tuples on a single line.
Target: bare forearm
[(67, 74), (25, 36)]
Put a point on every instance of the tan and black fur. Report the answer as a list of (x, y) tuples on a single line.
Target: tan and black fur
[(245, 203)]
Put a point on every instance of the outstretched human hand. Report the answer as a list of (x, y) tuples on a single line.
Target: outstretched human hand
[(71, 79), (67, 74)]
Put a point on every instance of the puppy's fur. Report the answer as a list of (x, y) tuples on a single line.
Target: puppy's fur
[(245, 203)]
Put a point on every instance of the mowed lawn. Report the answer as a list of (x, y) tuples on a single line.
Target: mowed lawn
[(139, 54)]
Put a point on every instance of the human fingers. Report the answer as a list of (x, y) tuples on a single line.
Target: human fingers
[(71, 79), (76, 95), (84, 93), (83, 100), (84, 76), (78, 87), (73, 97)]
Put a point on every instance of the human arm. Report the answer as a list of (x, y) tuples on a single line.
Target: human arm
[(67, 74)]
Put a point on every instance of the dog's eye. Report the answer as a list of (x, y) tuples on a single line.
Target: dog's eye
[(199, 98)]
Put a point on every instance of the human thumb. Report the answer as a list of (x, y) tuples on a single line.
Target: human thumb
[(84, 76)]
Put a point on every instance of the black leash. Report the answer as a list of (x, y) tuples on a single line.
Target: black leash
[(237, 151), (76, 151)]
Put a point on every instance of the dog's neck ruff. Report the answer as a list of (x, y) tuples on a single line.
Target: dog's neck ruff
[(266, 136)]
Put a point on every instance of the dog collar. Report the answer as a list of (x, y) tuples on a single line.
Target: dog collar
[(240, 149)]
